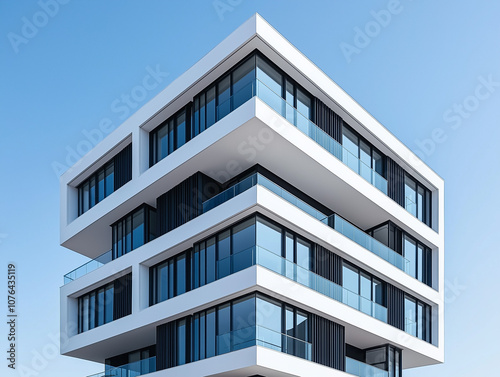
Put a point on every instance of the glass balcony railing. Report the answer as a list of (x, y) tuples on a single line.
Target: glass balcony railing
[(306, 126), (137, 368), (90, 266), (262, 336), (258, 179), (263, 257), (360, 369), (361, 238)]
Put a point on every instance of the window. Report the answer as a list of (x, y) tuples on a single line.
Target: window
[(96, 308), (417, 318), (269, 85), (168, 279), (103, 182), (417, 257), (133, 230), (362, 290), (361, 156), (417, 200), (170, 135)]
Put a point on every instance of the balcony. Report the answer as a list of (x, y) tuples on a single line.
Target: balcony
[(360, 369), (137, 368), (90, 266), (264, 337)]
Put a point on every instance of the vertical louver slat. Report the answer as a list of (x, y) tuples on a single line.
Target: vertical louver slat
[(395, 307), (182, 203), (123, 167), (395, 182), (327, 264), (328, 342), (122, 297), (328, 120)]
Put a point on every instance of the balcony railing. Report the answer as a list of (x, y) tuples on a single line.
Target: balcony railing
[(262, 336), (90, 266), (306, 126), (361, 238), (276, 263), (258, 179), (360, 369), (137, 368)]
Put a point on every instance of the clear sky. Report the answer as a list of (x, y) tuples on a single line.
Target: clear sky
[(428, 70)]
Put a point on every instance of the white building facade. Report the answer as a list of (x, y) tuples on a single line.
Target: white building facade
[(253, 220)]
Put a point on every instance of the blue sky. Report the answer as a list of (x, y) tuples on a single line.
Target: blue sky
[(428, 70)]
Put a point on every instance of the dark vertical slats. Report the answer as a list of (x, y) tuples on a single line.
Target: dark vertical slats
[(327, 264), (166, 346), (395, 182), (328, 343), (122, 296), (123, 167), (395, 307), (326, 119), (183, 202)]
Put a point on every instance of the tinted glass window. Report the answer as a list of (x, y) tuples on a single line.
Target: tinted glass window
[(243, 82)]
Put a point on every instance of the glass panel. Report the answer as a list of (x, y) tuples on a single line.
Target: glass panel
[(269, 236), (181, 274), (428, 325), (396, 363), (223, 90), (110, 178), (211, 262), (203, 119), (365, 158), (410, 253), (210, 106), (378, 163), (269, 317), (203, 336), (108, 304), (377, 357), (243, 244), (85, 191), (196, 338), (303, 260), (203, 264), (181, 129), (350, 281), (350, 150), (224, 252), (420, 203), (181, 342), (420, 321), (270, 85), (410, 196), (127, 239), (365, 292), (92, 310), (171, 278), (428, 207), (378, 292), (290, 99), (162, 284), (196, 117), (210, 347), (92, 192), (171, 139), (100, 307), (138, 229), (302, 334), (162, 143), (223, 327), (85, 313), (410, 316), (420, 263), (382, 234), (243, 82), (100, 185), (304, 108), (289, 254)]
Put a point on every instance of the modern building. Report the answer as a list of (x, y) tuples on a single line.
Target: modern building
[(253, 220)]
